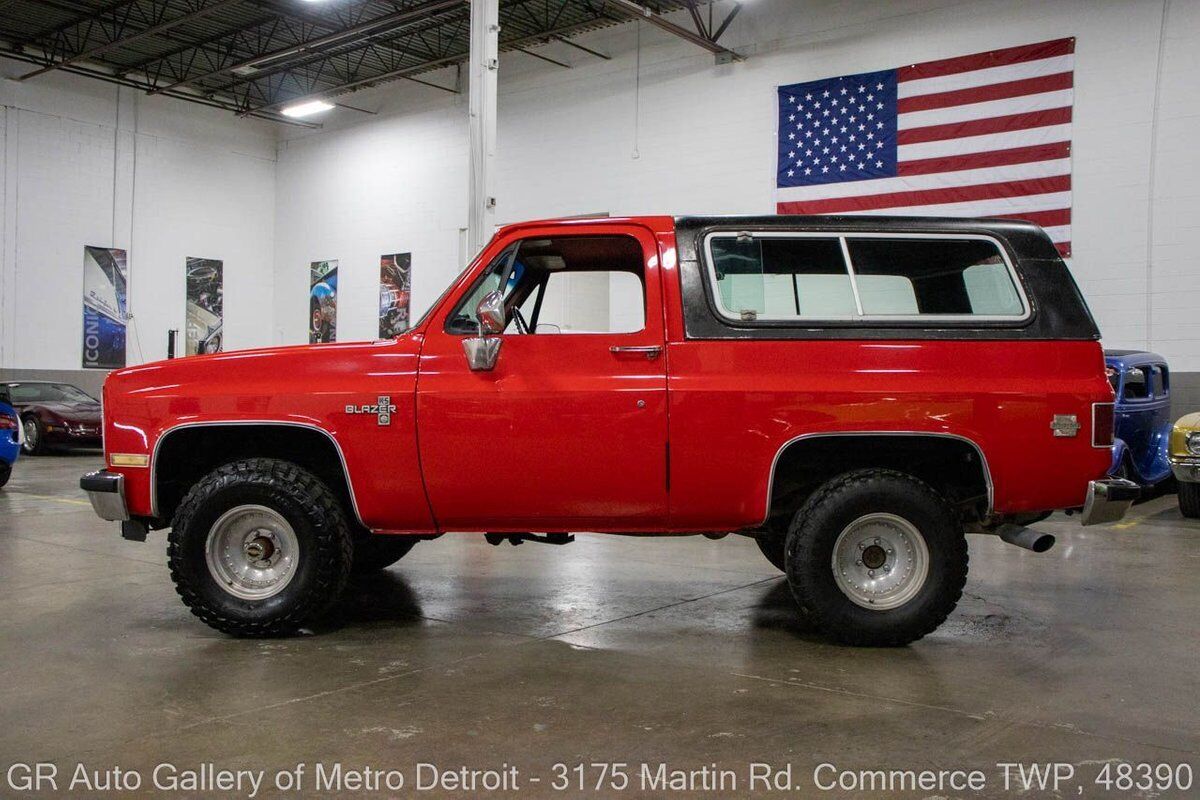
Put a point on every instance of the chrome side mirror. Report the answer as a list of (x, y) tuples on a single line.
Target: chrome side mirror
[(490, 313), (482, 350)]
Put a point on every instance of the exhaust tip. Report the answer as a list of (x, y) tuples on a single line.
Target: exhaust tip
[(1042, 543), (1037, 541)]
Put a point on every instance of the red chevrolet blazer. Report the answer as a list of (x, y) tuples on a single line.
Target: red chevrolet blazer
[(855, 393)]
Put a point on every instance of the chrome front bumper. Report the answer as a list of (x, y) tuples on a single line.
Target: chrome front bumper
[(106, 490), (1186, 471), (1108, 500)]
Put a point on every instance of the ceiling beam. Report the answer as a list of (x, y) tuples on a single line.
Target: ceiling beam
[(634, 10), (204, 44), (547, 59), (124, 81), (406, 72), (578, 46), (314, 46), (92, 15), (162, 27)]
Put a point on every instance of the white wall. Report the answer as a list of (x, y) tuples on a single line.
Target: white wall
[(703, 142), (395, 186), (86, 163)]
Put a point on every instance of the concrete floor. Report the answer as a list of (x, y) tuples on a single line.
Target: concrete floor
[(678, 651)]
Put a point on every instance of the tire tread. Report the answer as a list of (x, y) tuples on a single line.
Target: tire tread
[(1189, 499), (332, 533), (802, 543)]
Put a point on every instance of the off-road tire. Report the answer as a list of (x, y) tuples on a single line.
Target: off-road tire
[(1189, 499), (38, 445), (374, 552), (5, 474), (774, 546), (810, 549), (308, 505)]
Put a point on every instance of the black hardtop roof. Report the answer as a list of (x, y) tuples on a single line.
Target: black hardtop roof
[(1001, 225)]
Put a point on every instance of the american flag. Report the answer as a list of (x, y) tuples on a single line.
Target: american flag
[(981, 135)]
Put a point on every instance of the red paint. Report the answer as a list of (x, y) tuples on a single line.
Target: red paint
[(554, 439), (979, 127), (921, 197), (982, 94), (993, 58), (988, 158)]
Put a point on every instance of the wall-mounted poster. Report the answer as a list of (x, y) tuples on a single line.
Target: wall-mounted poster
[(205, 294), (394, 283), (322, 302), (104, 314)]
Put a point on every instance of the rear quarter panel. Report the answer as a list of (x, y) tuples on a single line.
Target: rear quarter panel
[(735, 404)]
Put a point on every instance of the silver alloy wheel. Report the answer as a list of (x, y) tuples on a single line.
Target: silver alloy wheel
[(31, 434), (880, 561), (252, 552)]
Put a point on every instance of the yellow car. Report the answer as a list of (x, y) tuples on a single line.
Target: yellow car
[(1185, 462)]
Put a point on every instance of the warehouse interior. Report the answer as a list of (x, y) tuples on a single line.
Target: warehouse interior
[(163, 129)]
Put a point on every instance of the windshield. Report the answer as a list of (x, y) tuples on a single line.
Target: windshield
[(48, 392)]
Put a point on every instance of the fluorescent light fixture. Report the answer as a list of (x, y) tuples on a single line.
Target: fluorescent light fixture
[(307, 109)]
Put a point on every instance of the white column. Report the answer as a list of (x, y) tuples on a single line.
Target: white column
[(484, 64)]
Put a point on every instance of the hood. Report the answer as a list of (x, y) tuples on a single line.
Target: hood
[(260, 371)]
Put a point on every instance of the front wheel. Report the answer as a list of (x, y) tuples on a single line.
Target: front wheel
[(876, 558), (32, 428), (1189, 499), (259, 547)]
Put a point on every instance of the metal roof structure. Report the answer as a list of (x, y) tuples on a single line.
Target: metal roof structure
[(253, 57)]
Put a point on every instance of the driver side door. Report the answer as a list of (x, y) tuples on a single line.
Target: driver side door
[(569, 430)]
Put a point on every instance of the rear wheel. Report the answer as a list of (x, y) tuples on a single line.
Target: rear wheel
[(258, 547), (373, 552), (1189, 499), (5, 473), (773, 544), (32, 428), (876, 558)]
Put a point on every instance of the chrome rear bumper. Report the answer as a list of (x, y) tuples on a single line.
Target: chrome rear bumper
[(1108, 500), (106, 490)]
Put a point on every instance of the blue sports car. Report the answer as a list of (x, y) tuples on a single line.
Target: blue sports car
[(10, 436), (1142, 383)]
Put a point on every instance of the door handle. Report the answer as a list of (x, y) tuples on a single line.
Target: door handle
[(651, 352)]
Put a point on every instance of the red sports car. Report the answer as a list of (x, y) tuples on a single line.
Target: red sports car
[(55, 413)]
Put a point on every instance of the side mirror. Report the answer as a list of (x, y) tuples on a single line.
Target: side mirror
[(482, 350), (490, 313)]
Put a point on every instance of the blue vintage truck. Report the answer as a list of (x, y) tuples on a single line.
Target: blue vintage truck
[(1142, 383)]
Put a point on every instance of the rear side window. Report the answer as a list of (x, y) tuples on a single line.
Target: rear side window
[(1137, 384), (780, 277), (1162, 380)]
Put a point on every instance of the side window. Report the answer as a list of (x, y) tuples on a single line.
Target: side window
[(25, 393), (963, 277), (767, 277), (1137, 384), (778, 278), (590, 302), (567, 284), (1162, 381)]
